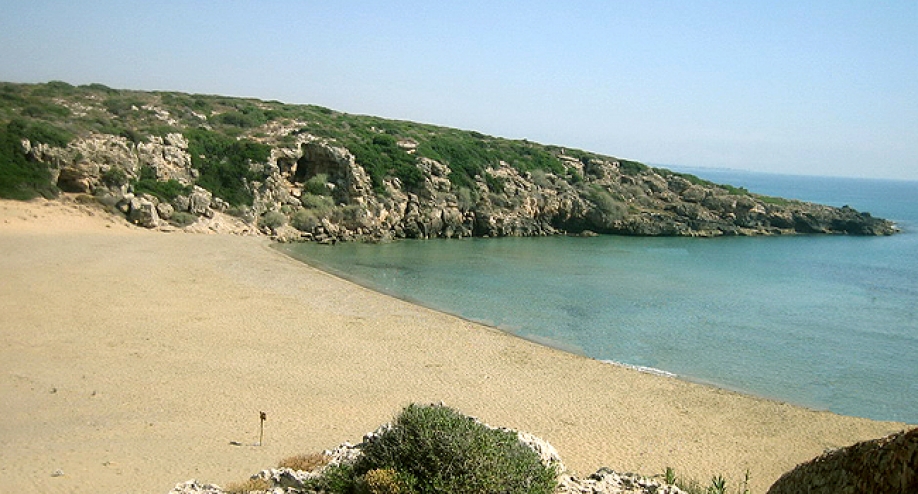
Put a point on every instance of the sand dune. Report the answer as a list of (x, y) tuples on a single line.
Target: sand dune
[(130, 360)]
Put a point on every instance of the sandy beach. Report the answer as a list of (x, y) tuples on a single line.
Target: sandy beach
[(131, 360)]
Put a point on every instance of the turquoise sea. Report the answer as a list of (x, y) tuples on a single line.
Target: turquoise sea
[(827, 322)]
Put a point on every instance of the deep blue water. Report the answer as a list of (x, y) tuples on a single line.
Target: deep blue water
[(828, 322)]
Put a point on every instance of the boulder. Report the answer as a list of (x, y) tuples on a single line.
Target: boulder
[(165, 210), (882, 466), (199, 202), (142, 212)]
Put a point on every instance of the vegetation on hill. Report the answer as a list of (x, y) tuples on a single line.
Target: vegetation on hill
[(308, 172), (225, 133)]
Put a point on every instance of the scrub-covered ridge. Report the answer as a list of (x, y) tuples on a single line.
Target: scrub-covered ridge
[(302, 172)]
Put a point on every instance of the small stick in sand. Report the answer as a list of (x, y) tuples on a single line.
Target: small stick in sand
[(261, 433)]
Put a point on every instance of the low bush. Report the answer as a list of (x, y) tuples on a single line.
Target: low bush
[(165, 190), (305, 220), (37, 131), (388, 481), (225, 164), (306, 463), (632, 167), (182, 219), (381, 157), (251, 485), (434, 449), (115, 177), (21, 178), (606, 204), (495, 184), (273, 220), (313, 201), (317, 185)]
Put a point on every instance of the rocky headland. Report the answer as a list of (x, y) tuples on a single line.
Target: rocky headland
[(170, 160)]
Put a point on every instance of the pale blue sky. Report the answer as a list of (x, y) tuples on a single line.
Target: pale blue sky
[(821, 88)]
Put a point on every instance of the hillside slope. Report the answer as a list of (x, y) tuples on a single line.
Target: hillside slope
[(301, 172)]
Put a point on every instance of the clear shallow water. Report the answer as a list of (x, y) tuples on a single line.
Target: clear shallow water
[(825, 322)]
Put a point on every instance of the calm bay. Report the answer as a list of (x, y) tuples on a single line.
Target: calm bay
[(827, 322)]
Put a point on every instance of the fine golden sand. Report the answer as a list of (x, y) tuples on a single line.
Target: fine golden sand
[(131, 360)]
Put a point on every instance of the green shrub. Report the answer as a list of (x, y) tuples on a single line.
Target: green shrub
[(312, 201), (388, 481), (225, 163), (95, 86), (37, 131), (21, 178), (121, 107), (305, 220), (540, 178), (273, 220), (240, 119), (165, 190), (115, 177), (132, 135), (336, 479), (777, 201), (466, 198), (48, 110), (466, 156), (445, 451), (574, 177), (495, 184), (469, 153), (317, 185), (182, 219), (606, 204), (663, 172), (632, 167), (735, 191), (381, 157), (53, 88)]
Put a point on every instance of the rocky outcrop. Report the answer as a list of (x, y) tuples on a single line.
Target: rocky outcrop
[(326, 195), (881, 466), (604, 481)]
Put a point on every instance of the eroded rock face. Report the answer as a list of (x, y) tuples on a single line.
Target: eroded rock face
[(503, 202), (881, 466)]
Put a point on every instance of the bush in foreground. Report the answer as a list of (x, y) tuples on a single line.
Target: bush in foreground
[(435, 449)]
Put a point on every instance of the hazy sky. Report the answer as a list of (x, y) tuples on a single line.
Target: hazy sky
[(823, 88)]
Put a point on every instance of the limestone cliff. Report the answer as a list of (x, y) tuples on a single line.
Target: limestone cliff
[(302, 173)]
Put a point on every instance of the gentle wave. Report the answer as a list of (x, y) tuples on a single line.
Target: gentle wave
[(641, 368)]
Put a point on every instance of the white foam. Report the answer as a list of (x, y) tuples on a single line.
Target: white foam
[(641, 368)]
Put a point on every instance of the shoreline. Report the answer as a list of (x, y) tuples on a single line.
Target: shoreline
[(287, 250), (130, 360), (554, 345)]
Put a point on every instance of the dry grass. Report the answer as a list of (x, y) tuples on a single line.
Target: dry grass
[(306, 463), (385, 481), (251, 485)]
